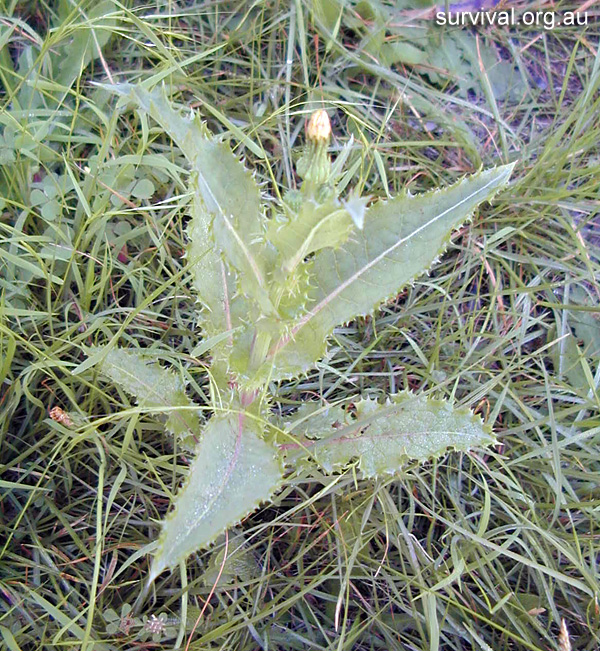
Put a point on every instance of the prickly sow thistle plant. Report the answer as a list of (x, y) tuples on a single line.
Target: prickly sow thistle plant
[(271, 291)]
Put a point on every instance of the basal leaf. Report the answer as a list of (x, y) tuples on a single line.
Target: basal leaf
[(234, 471), (585, 324), (400, 240), (569, 361), (238, 562), (86, 40), (153, 387), (384, 437)]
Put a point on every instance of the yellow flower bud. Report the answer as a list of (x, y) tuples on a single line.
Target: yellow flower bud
[(318, 128)]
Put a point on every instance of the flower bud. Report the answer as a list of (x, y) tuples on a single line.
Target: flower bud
[(314, 166), (318, 128)]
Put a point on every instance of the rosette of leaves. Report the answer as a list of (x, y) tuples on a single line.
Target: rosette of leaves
[(270, 292)]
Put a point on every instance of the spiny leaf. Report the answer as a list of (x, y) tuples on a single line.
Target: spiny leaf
[(357, 208), (248, 263), (222, 188), (212, 280), (293, 290), (314, 227), (234, 471), (313, 420), (401, 239), (154, 388), (384, 437), (225, 185)]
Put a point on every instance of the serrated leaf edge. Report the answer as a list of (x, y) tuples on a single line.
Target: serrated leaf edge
[(395, 400)]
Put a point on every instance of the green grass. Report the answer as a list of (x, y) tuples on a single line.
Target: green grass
[(478, 551)]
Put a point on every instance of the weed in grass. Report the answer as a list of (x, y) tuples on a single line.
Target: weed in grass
[(272, 291), (467, 552)]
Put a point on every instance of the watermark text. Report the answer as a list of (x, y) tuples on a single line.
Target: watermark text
[(509, 17)]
